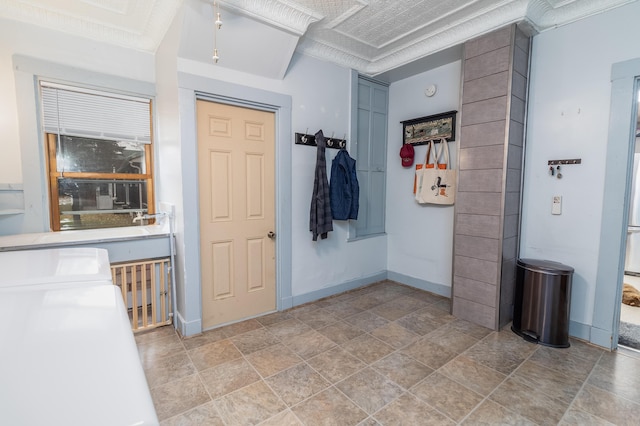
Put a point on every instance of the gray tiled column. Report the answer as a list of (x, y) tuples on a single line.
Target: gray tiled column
[(492, 119)]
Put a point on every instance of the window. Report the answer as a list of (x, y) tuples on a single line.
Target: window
[(371, 126), (99, 157)]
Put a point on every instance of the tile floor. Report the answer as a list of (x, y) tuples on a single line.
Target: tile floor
[(383, 355)]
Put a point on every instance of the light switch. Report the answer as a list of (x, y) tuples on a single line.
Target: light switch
[(556, 206)]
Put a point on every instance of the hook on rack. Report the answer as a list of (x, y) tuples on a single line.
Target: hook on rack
[(555, 171), (570, 161), (310, 140)]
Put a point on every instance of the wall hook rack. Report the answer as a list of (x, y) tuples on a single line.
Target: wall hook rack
[(310, 140), (560, 162)]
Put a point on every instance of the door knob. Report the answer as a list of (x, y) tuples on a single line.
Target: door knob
[(271, 235)]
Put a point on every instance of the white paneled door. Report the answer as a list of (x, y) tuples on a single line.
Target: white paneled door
[(236, 167)]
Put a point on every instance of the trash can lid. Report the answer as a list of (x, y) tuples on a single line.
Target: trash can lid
[(548, 266)]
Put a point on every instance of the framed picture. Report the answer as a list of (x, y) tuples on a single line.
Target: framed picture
[(420, 131)]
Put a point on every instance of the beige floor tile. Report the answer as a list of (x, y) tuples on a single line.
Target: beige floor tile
[(154, 334), (228, 377), (619, 381), (575, 417), (395, 335), (342, 309), (529, 402), (584, 350), (213, 354), (336, 364), (369, 421), (367, 321), (437, 313), (451, 339), (384, 295), (365, 302), (340, 332), (447, 396), (367, 348), (329, 408), (249, 405), (402, 369), (550, 382), (309, 344), (288, 328), (563, 362), (297, 384), (619, 361), (473, 375), (607, 406), (284, 418), (203, 415), (240, 327), (503, 351), (202, 339), (344, 297), (273, 318), (444, 305), (169, 368), (323, 303), (155, 349), (408, 410), (352, 350), (178, 396), (420, 322), (254, 340), (469, 328), (424, 296), (370, 390), (397, 308), (490, 413), (303, 309), (430, 354), (273, 359), (318, 318)]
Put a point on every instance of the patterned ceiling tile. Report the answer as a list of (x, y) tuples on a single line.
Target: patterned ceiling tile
[(115, 6), (372, 36)]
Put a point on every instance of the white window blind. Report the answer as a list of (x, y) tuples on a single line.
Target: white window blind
[(87, 113)]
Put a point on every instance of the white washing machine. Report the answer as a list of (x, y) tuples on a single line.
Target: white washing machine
[(62, 267), (69, 358), (68, 354)]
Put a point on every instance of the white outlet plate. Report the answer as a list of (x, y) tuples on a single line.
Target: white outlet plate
[(556, 205)]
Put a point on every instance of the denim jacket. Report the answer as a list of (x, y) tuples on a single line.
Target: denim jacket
[(344, 188)]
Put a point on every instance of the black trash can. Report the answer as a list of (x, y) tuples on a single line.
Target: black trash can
[(542, 301)]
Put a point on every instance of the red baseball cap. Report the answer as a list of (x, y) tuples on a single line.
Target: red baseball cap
[(406, 153)]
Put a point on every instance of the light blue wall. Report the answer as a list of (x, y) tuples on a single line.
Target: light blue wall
[(420, 237), (570, 98), (313, 95), (28, 52), (569, 115)]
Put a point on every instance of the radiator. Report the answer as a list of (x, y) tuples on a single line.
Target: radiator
[(146, 290)]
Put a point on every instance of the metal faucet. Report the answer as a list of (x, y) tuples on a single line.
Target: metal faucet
[(140, 216)]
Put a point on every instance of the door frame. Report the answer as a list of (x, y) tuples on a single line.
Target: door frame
[(194, 87), (625, 82)]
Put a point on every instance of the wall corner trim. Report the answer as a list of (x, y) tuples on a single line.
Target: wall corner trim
[(339, 288), (421, 284), (187, 328)]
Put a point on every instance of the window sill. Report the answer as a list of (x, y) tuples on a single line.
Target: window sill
[(69, 238), (366, 237), (8, 212)]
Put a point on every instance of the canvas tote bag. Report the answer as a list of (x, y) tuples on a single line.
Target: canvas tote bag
[(426, 165), (437, 185)]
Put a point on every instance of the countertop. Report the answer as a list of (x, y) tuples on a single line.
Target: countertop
[(70, 238)]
